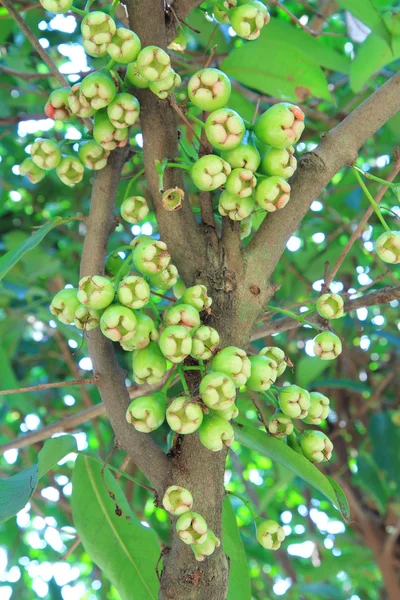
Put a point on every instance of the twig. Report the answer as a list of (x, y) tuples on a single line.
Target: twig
[(71, 549), (46, 386), (307, 29), (184, 118)]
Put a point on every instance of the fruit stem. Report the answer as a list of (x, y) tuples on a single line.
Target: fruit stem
[(183, 380), (110, 64), (118, 276), (166, 385), (194, 368), (78, 11), (371, 199), (293, 315), (131, 182), (249, 125), (378, 179), (245, 502), (196, 120), (113, 7)]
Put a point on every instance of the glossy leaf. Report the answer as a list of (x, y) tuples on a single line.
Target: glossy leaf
[(124, 549), (239, 579), (308, 369), (369, 478)]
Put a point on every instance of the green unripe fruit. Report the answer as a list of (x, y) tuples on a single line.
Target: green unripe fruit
[(151, 256), (70, 170), (172, 199), (57, 106), (319, 409), (209, 89), (217, 391), (316, 446), (147, 413), (196, 296), (118, 323), (234, 207), (388, 247), (125, 45), (93, 155), (177, 500), (330, 306), (279, 162), (228, 413), (105, 134), (210, 172), (270, 535), (280, 126), (95, 292), (241, 182), (205, 342), (248, 19), (191, 528), (124, 110), (166, 278), (277, 355), (98, 89), (97, 29), (273, 193), (153, 63), (45, 154), (134, 209), (149, 364), (135, 78), (294, 401), (263, 373), (144, 333), (32, 171), (184, 416), (78, 104), (184, 315), (64, 305), (225, 129), (206, 548), (179, 289), (327, 345), (215, 433), (86, 318), (114, 263), (233, 362), (175, 343), (165, 86), (58, 7), (280, 425), (245, 156)]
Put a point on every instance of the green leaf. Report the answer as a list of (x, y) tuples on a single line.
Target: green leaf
[(369, 479), (239, 580), (9, 381), (277, 450), (345, 384), (211, 34), (308, 369), (124, 549), (15, 491), (365, 11), (385, 438), (290, 75), (11, 258)]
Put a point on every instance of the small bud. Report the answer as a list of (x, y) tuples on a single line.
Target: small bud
[(32, 171), (233, 362), (197, 297), (388, 247), (86, 318), (153, 63), (205, 342), (319, 409), (124, 110), (172, 199), (135, 78), (150, 256), (147, 413), (215, 433), (165, 86), (280, 425), (245, 156), (209, 89), (106, 134), (184, 315), (97, 30), (70, 170), (58, 7), (134, 292), (277, 355), (263, 373), (248, 19), (177, 500), (175, 343), (210, 172), (192, 528), (279, 162), (294, 401), (184, 416), (149, 364), (166, 278), (316, 446), (225, 129), (95, 292), (78, 104), (273, 193), (98, 89), (125, 46), (217, 391), (64, 305), (327, 345), (280, 126), (118, 323), (144, 333), (241, 182), (206, 548), (93, 155), (45, 154), (134, 209), (234, 207), (57, 106), (270, 535), (330, 306)]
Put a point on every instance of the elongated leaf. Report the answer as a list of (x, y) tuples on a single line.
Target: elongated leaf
[(8, 260), (15, 491), (277, 68), (369, 479), (308, 369), (365, 11), (239, 580), (277, 450), (123, 548)]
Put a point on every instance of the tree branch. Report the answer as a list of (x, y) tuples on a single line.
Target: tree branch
[(110, 377), (382, 296), (337, 149), (47, 386)]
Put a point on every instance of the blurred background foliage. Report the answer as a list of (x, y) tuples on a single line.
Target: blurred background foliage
[(323, 557)]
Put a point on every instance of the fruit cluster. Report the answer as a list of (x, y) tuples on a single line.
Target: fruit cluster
[(246, 18)]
